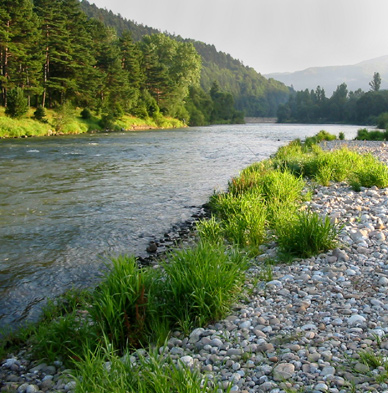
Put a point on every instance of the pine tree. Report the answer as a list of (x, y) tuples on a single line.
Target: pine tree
[(19, 47), (67, 50)]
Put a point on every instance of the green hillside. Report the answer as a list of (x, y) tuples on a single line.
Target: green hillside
[(252, 93)]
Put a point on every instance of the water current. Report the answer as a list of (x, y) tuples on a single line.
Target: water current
[(69, 203)]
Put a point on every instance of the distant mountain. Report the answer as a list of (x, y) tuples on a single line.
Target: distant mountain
[(253, 94), (355, 76)]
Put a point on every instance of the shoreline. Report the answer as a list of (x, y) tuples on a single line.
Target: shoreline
[(306, 327)]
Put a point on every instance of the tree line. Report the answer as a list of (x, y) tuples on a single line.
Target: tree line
[(52, 54), (252, 93), (354, 107)]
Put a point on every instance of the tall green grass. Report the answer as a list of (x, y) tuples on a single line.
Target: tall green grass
[(123, 304), (242, 219), (359, 170), (136, 306), (306, 234), (104, 372), (200, 284)]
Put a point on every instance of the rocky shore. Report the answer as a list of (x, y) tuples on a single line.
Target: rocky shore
[(316, 325)]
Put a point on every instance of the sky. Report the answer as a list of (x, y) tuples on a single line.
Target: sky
[(271, 35)]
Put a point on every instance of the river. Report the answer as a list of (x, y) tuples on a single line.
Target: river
[(69, 203)]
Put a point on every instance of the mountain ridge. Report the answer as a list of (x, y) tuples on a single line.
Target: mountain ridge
[(356, 76)]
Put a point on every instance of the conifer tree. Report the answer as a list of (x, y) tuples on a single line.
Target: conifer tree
[(20, 61)]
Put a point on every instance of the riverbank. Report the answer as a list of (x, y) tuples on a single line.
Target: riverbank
[(301, 327), (57, 123)]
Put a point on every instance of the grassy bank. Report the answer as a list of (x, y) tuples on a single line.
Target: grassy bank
[(127, 319), (71, 121)]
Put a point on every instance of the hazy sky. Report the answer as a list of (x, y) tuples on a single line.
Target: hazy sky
[(271, 35)]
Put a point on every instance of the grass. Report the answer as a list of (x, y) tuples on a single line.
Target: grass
[(201, 284), (135, 307), (359, 170), (306, 234), (69, 121), (104, 372), (122, 305)]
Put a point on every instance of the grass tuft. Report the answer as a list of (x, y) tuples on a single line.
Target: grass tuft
[(200, 284), (306, 234)]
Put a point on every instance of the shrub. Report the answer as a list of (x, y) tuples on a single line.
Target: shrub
[(107, 122), (63, 116), (40, 113), (365, 135), (86, 114), (17, 104), (341, 136), (321, 136)]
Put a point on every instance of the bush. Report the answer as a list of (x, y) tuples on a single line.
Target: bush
[(17, 105), (341, 136), (86, 114), (40, 113), (107, 122), (321, 136), (365, 135), (63, 116)]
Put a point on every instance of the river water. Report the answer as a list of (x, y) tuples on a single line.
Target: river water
[(68, 203)]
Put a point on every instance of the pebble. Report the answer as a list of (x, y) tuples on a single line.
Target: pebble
[(305, 329)]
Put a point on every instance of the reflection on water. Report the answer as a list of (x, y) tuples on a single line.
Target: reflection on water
[(68, 203)]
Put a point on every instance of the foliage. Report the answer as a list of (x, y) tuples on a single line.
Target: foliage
[(375, 83), (86, 114), (40, 113), (306, 234), (147, 373), (56, 55), (201, 283), (382, 121), (351, 107), (122, 304), (64, 331), (365, 135), (371, 172), (252, 93), (16, 103)]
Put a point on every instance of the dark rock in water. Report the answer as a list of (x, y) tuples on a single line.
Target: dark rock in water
[(153, 247)]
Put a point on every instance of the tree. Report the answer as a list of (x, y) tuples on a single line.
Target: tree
[(17, 104), (375, 83), (170, 68), (67, 50), (20, 61)]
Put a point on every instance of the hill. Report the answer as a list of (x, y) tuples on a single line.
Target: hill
[(253, 94), (355, 76)]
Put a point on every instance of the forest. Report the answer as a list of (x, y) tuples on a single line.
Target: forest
[(351, 107), (252, 93), (52, 55)]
